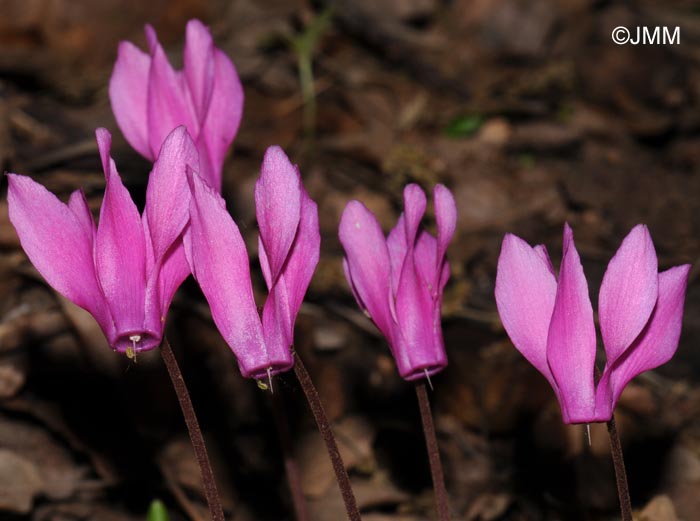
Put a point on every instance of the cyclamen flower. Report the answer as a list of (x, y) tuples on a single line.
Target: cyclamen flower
[(550, 320), (399, 281), (149, 98), (125, 270), (289, 246)]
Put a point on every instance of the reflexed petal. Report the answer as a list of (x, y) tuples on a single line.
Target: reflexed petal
[(525, 295), (571, 342), (168, 194), (425, 253), (446, 218), (397, 246), (628, 292), (368, 262), (128, 94), (655, 346), (277, 207), (223, 116), (79, 206), (162, 285), (541, 250), (414, 204), (199, 65), (168, 104), (279, 336), (221, 267), (120, 250), (415, 313), (57, 244)]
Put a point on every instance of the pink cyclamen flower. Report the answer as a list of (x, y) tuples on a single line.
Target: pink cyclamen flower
[(289, 246), (150, 98), (126, 269), (550, 319), (398, 281)]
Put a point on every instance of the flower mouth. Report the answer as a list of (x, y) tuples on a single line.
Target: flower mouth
[(132, 342), (423, 371), (268, 371)]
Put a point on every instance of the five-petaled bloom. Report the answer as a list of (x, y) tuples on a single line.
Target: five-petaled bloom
[(398, 281), (550, 319), (149, 98), (126, 269), (289, 246)]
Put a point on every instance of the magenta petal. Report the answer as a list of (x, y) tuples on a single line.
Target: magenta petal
[(120, 250), (277, 207), (655, 346), (368, 262), (168, 194), (223, 116), (168, 104), (58, 245), (628, 292), (446, 218), (541, 250), (199, 65), (525, 294), (425, 253), (279, 336), (571, 343), (128, 95), (151, 38), (220, 263)]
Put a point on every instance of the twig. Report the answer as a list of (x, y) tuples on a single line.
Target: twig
[(291, 467), (324, 427), (441, 502), (620, 472), (200, 450)]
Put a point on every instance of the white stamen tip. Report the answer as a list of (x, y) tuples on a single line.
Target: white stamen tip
[(588, 434), (427, 377), (269, 379)]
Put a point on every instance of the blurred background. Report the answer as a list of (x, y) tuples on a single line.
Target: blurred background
[(526, 109)]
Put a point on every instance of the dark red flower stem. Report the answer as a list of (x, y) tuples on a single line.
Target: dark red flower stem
[(291, 467), (324, 427), (620, 472), (441, 501), (200, 450)]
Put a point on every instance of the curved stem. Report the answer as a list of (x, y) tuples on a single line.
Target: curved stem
[(324, 427), (291, 466), (620, 472), (441, 501), (200, 450)]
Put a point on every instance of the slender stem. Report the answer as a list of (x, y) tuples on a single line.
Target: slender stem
[(291, 467), (200, 450), (324, 427), (441, 502), (620, 472)]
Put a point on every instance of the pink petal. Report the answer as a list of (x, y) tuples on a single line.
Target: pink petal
[(168, 194), (58, 245), (199, 66), (162, 285), (368, 262), (168, 104), (79, 206), (446, 218), (120, 249), (655, 346), (541, 250), (128, 89), (277, 207), (571, 342), (220, 263), (525, 295), (151, 38), (414, 204), (223, 116), (398, 247), (279, 336), (628, 292), (415, 351), (425, 253)]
